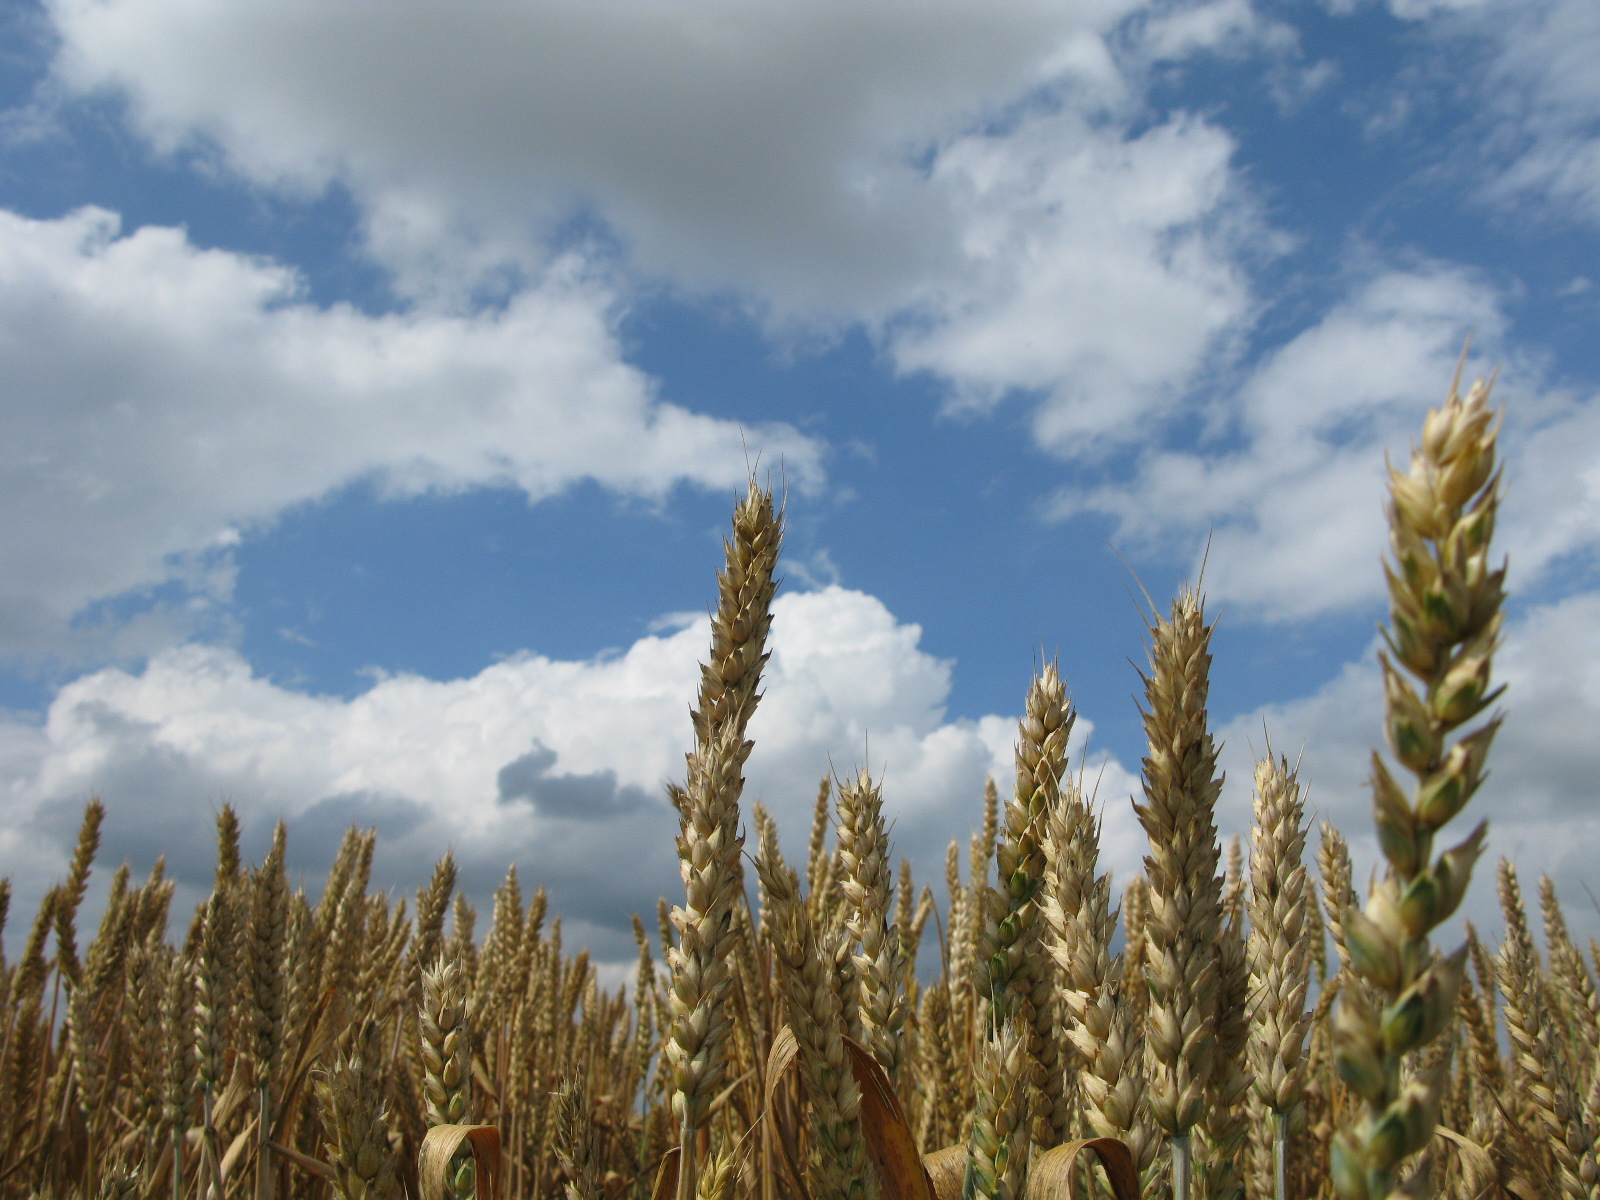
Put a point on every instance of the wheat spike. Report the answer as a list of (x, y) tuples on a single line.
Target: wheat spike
[(1444, 626), (1181, 787), (864, 862)]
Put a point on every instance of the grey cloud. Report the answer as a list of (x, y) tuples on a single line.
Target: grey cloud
[(152, 795), (594, 796)]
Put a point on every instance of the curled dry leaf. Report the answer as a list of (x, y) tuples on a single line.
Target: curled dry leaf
[(947, 1170), (439, 1148), (1050, 1175), (890, 1142)]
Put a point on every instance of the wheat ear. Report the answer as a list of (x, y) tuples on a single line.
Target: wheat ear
[(351, 1095), (1015, 978), (1279, 952), (212, 981), (864, 863), (997, 1150), (838, 1167), (1095, 1015), (709, 839), (1538, 1050), (264, 972), (1570, 975), (446, 1045), (575, 1142), (1445, 619), (1181, 785), (1225, 1121)]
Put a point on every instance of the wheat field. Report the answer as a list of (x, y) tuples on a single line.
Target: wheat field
[(1235, 1022)]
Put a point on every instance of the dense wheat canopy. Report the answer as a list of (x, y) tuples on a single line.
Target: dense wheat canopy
[(836, 1029)]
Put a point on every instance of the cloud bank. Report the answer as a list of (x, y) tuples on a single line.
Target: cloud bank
[(558, 766), (161, 398)]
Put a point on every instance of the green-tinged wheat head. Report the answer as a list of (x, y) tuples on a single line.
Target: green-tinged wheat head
[(1445, 601)]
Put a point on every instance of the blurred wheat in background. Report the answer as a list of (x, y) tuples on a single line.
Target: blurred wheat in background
[(1182, 1033)]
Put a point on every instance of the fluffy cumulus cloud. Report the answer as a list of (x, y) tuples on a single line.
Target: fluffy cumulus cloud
[(1081, 245), (711, 133), (1539, 796), (984, 186), (160, 397), (557, 766), (1290, 485)]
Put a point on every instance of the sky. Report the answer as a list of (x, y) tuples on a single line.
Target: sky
[(376, 383)]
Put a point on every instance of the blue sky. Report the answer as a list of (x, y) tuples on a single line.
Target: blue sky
[(376, 386)]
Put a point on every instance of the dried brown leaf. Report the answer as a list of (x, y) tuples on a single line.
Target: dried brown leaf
[(890, 1142), (441, 1144), (947, 1170), (1050, 1175), (667, 1175)]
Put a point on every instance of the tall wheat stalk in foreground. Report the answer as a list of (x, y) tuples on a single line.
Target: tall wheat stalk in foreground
[(1445, 619), (710, 841), (1181, 786)]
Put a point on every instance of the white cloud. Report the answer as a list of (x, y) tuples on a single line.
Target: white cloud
[(558, 766), (1549, 100), (1228, 27), (1539, 796), (159, 397), (1100, 275), (773, 136), (1290, 486), (1538, 90), (983, 186)]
